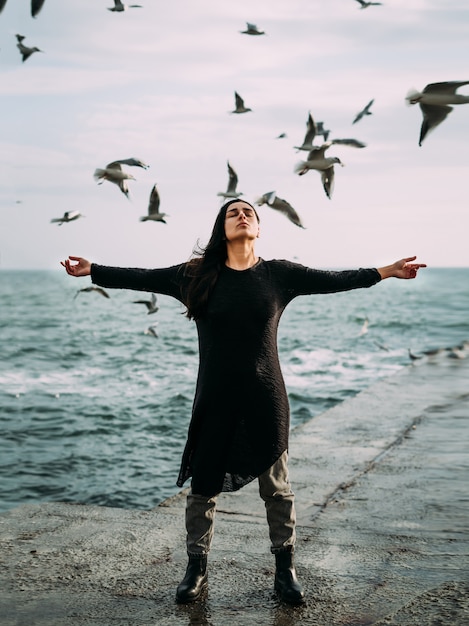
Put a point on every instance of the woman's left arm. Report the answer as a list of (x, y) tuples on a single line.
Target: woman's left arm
[(404, 268)]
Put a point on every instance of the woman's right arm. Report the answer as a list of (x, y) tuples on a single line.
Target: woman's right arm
[(165, 281)]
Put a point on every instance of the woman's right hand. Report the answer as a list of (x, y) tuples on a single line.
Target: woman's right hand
[(82, 267)]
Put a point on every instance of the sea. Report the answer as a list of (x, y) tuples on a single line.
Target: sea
[(96, 393)]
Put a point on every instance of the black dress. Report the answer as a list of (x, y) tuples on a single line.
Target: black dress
[(240, 418)]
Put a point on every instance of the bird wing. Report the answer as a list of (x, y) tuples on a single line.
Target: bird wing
[(445, 87), (2, 5), (239, 101), (286, 208), (233, 179), (369, 104), (154, 202), (36, 6), (311, 131), (319, 151), (433, 115), (353, 143), (99, 290), (123, 187), (327, 177), (132, 161), (114, 165)]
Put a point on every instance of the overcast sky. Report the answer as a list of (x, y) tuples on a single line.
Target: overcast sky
[(157, 83)]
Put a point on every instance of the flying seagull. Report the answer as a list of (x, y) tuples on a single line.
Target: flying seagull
[(232, 184), (119, 6), (36, 6), (317, 160), (365, 5), (150, 304), (434, 103), (272, 200), (68, 216), (114, 173), (99, 290), (320, 130), (311, 131), (26, 52), (151, 330), (363, 112), (251, 29), (239, 105), (154, 208), (281, 136)]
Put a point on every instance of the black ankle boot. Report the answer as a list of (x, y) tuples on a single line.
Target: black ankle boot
[(195, 580), (286, 582)]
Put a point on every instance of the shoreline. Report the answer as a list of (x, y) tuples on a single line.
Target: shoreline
[(381, 498)]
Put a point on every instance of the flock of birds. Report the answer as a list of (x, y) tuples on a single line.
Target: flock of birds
[(36, 6), (435, 102)]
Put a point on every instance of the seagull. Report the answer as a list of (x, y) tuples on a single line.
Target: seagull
[(251, 29), (114, 173), (153, 208), (364, 328), (272, 200), (434, 103), (414, 357), (232, 183), (119, 6), (36, 6), (2, 5), (320, 130), (365, 5), (26, 52), (311, 131), (92, 288), (318, 161), (281, 136), (239, 103), (68, 216), (150, 304), (363, 112), (151, 330)]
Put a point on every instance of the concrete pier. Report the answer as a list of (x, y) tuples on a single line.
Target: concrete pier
[(381, 484)]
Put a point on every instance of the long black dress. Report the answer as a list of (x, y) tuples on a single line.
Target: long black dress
[(240, 418)]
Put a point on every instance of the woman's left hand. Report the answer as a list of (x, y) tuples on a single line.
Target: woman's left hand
[(404, 268)]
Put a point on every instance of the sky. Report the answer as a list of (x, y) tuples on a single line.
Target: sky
[(157, 83)]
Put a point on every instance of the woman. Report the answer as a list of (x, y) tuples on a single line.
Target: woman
[(240, 419)]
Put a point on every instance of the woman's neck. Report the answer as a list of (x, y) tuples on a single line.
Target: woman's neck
[(241, 256)]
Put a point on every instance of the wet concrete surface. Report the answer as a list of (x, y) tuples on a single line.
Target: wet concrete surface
[(383, 533)]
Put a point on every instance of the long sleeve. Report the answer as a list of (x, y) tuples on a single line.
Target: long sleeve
[(166, 281), (326, 281), (300, 280)]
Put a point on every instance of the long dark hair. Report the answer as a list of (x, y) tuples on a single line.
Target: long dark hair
[(203, 268)]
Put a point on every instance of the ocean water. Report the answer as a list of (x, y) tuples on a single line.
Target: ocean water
[(94, 410)]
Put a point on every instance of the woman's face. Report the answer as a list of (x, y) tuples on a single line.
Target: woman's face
[(241, 222)]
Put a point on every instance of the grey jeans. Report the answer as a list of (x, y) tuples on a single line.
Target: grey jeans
[(274, 489)]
